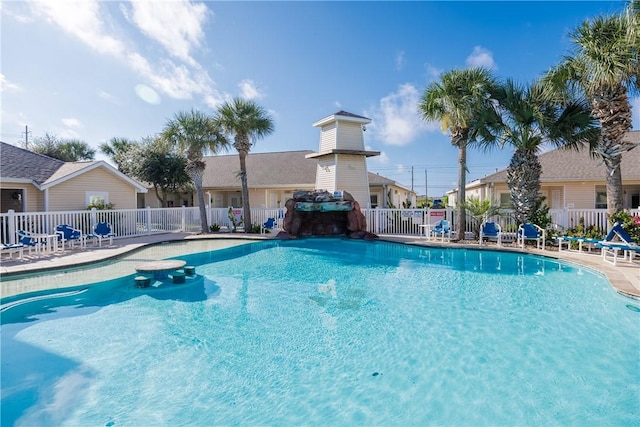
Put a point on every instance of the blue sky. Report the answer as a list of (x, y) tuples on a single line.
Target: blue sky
[(97, 70)]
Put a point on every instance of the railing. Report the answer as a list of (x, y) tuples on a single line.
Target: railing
[(139, 222)]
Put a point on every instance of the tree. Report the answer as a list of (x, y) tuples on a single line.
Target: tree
[(116, 149), (67, 150), (456, 101), (155, 162), (247, 122), (195, 133), (531, 118), (479, 211), (604, 67)]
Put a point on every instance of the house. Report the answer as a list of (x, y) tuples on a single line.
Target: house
[(569, 179), (31, 182), (272, 179)]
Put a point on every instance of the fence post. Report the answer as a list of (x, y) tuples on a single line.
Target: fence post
[(94, 217), (184, 218), (148, 209), (11, 219)]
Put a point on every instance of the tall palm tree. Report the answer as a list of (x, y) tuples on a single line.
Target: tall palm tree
[(455, 101), (195, 133), (530, 120), (604, 67), (116, 149), (246, 121)]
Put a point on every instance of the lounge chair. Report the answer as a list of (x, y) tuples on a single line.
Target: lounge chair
[(8, 248), (530, 231), (442, 229), (28, 241), (567, 240), (270, 224), (624, 244), (102, 230), (68, 235), (491, 231)]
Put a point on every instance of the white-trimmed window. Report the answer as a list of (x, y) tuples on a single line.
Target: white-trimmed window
[(505, 200), (601, 197), (93, 198), (374, 200)]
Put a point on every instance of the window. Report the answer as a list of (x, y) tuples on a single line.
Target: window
[(96, 198), (374, 201), (505, 200), (601, 197)]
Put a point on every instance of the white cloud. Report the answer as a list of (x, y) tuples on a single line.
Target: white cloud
[(396, 120), (481, 57), (83, 20), (6, 85), (176, 25), (249, 90), (71, 123), (400, 60)]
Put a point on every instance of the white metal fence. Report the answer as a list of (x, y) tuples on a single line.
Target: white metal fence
[(139, 222)]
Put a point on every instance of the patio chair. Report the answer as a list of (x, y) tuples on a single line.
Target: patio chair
[(270, 224), (68, 235), (102, 230), (441, 229), (491, 231), (28, 241), (624, 243), (531, 231), (8, 248)]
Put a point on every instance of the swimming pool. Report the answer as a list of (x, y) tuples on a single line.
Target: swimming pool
[(330, 332)]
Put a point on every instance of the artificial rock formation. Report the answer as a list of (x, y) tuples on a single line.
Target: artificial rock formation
[(319, 213)]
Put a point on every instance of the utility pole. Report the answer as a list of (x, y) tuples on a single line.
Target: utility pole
[(411, 178), (426, 187), (26, 137)]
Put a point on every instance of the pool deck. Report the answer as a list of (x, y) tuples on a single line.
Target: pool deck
[(624, 277)]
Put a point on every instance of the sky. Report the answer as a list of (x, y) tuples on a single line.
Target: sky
[(95, 70)]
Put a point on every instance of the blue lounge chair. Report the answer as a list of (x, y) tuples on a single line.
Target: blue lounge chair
[(530, 231), (270, 224), (491, 231), (8, 248), (68, 235), (28, 241), (102, 230), (624, 244), (442, 229)]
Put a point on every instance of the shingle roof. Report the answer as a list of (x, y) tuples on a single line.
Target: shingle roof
[(571, 165), (18, 163), (287, 168), (347, 114)]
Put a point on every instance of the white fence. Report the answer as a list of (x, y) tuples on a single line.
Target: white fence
[(139, 222)]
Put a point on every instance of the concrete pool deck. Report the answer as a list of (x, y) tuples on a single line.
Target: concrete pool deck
[(126, 252)]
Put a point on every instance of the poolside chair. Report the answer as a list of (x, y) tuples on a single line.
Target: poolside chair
[(68, 235), (624, 244), (28, 241), (8, 248), (441, 229), (491, 231), (102, 230), (270, 224), (530, 231)]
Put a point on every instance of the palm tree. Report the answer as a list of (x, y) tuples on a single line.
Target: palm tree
[(480, 210), (604, 68), (455, 101), (246, 121), (530, 120), (195, 133), (116, 149)]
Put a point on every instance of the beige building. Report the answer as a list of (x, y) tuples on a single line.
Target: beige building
[(31, 182), (569, 179), (272, 180)]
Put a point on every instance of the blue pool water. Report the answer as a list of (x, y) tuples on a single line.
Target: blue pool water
[(329, 332)]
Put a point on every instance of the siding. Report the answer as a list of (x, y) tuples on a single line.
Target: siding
[(352, 176), (325, 180), (350, 136), (328, 137), (70, 195)]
